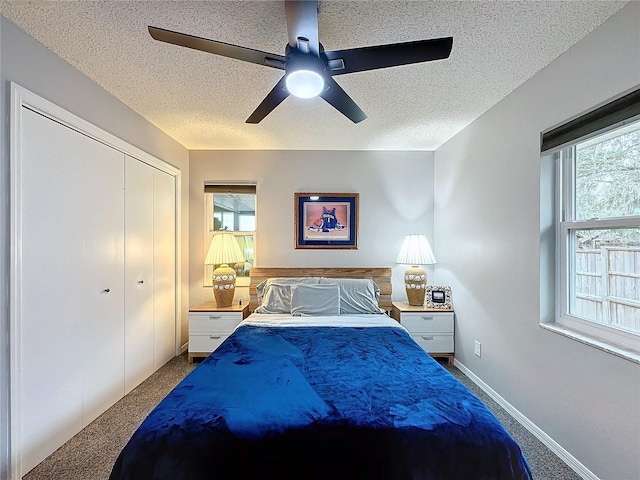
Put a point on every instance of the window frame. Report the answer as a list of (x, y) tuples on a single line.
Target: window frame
[(208, 226), (609, 338)]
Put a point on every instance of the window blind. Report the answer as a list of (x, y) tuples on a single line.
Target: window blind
[(616, 112), (226, 188)]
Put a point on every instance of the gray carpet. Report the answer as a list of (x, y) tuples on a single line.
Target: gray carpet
[(91, 454)]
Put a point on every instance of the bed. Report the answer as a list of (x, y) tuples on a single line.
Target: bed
[(320, 392)]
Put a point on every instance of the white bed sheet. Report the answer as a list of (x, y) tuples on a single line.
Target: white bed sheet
[(288, 320)]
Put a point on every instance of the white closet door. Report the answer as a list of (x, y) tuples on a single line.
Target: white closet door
[(102, 292), (138, 278), (73, 344), (164, 268), (52, 210)]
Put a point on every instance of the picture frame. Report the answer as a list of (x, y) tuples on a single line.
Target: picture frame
[(326, 220), (438, 297)]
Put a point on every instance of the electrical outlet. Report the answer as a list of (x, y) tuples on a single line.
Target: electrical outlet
[(477, 348)]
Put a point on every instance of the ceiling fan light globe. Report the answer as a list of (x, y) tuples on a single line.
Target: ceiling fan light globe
[(304, 83)]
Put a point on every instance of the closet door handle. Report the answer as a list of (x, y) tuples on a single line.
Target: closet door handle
[(106, 290), (140, 282)]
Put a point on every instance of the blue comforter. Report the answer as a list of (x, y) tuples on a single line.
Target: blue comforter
[(320, 403)]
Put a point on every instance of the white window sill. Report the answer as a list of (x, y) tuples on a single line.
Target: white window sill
[(592, 341)]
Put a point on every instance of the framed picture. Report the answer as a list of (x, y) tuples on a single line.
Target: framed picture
[(438, 297), (326, 220)]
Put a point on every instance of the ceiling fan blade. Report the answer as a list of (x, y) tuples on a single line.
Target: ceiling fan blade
[(271, 101), (390, 55), (338, 98), (302, 22), (219, 48)]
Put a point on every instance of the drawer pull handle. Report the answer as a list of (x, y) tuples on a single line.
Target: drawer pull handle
[(214, 337), (430, 317), (427, 337), (214, 317)]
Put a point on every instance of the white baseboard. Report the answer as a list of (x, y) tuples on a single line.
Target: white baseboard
[(554, 446)]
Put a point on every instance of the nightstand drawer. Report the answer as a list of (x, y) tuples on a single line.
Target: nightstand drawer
[(202, 343), (211, 322), (434, 343), (436, 322)]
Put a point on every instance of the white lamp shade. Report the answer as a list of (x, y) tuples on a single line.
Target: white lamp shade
[(416, 251), (224, 248)]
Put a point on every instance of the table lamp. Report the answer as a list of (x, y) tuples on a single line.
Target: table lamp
[(223, 250), (415, 251)]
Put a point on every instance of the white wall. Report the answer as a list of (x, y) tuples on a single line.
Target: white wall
[(396, 198), (31, 65), (487, 214)]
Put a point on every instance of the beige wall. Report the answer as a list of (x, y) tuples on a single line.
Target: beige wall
[(396, 198)]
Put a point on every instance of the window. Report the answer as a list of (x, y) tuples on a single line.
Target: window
[(231, 208), (598, 228)]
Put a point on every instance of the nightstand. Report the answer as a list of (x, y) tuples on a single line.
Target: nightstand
[(209, 326), (432, 329)]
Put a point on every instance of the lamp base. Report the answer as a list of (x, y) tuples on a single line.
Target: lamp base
[(415, 282), (224, 285)]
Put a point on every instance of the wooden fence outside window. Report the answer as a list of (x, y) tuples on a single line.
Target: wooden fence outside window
[(607, 286)]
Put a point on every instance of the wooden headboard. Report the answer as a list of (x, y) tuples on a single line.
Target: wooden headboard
[(381, 276)]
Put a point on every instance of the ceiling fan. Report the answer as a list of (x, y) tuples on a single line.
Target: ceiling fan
[(309, 70)]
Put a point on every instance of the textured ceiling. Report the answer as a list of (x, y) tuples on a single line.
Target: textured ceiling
[(202, 100)]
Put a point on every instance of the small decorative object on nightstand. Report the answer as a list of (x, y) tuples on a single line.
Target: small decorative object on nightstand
[(438, 297), (416, 251), (210, 325), (432, 329), (224, 249)]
